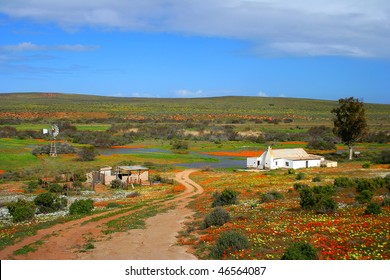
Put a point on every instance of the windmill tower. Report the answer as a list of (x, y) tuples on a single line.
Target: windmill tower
[(53, 132)]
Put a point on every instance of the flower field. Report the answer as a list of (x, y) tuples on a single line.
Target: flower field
[(272, 226)]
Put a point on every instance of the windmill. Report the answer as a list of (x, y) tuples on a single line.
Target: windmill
[(53, 132)]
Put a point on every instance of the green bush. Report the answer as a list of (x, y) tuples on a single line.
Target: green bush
[(308, 199), (366, 165), (325, 204), (116, 184), (228, 242), (31, 187), (21, 210), (291, 171), (82, 206), (300, 176), (326, 190), (299, 186), (318, 199), (227, 197), (56, 188), (343, 182), (217, 217), (179, 145), (48, 202), (271, 196), (373, 208), (365, 196), (367, 184), (86, 153), (316, 179), (300, 251)]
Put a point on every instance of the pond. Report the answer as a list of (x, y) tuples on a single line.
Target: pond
[(219, 161)]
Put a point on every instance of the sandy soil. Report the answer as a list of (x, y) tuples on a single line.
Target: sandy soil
[(156, 241)]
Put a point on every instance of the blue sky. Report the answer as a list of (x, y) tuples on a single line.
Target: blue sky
[(197, 48)]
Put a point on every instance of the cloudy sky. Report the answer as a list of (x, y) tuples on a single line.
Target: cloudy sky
[(325, 49)]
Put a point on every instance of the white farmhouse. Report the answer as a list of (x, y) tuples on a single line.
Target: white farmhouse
[(285, 158)]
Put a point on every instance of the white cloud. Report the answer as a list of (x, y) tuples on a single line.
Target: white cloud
[(262, 94), (184, 93), (300, 27), (28, 46)]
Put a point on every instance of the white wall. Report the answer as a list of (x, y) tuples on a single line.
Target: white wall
[(251, 162), (302, 163)]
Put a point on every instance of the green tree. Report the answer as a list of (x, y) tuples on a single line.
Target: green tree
[(350, 121), (87, 153)]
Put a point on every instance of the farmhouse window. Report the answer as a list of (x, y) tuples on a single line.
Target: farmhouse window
[(287, 164)]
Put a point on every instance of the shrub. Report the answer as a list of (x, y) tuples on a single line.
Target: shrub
[(48, 202), (270, 196), (31, 187), (133, 194), (116, 184), (229, 241), (325, 204), (300, 251), (365, 196), (291, 171), (299, 186), (308, 199), (387, 181), (82, 206), (318, 199), (300, 176), (21, 210), (179, 145), (113, 205), (366, 184), (227, 197), (384, 157), (326, 190), (386, 201), (366, 165), (373, 208), (316, 179), (343, 182), (217, 217), (55, 188), (87, 153)]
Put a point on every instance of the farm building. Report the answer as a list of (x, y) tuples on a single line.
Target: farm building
[(134, 174), (285, 158)]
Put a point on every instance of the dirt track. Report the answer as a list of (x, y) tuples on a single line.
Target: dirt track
[(156, 241)]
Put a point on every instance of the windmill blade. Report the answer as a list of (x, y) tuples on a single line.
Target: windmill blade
[(54, 130)]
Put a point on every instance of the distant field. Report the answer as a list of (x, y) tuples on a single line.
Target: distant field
[(38, 126), (30, 106)]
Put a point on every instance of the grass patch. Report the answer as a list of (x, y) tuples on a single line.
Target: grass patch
[(134, 221), (28, 248)]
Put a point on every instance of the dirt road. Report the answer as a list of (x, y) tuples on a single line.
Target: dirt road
[(156, 241)]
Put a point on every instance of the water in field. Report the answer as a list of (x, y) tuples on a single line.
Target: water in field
[(224, 162), (127, 151), (218, 161)]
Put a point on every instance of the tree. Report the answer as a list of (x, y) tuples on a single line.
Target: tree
[(87, 153), (350, 121)]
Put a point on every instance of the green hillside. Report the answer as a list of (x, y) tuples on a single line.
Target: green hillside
[(30, 106)]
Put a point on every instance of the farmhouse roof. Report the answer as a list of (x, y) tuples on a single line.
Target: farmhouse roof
[(293, 154), (133, 167)]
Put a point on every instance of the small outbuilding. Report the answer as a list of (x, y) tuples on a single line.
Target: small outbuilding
[(133, 174), (284, 158)]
